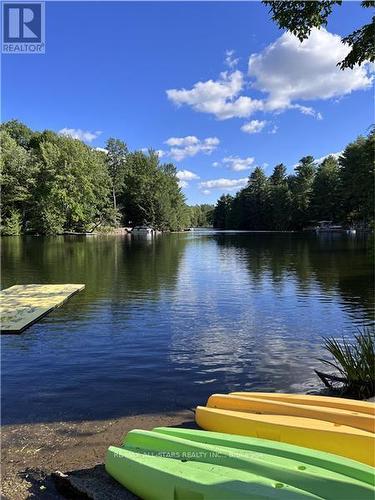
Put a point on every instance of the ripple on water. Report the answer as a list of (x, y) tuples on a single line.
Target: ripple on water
[(164, 324)]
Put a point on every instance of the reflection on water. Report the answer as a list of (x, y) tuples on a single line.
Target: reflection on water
[(164, 322)]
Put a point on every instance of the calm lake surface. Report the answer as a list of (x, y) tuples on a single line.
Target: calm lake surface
[(165, 322)]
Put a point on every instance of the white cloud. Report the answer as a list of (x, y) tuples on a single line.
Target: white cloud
[(307, 110), (186, 175), (182, 141), (103, 150), (253, 126), (220, 98), (182, 147), (238, 164), (230, 60), (228, 184), (160, 153), (274, 129), (206, 191), (216, 164), (320, 160), (337, 155), (82, 135), (288, 71)]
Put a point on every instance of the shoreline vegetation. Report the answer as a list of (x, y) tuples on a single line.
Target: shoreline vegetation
[(54, 184), (339, 188), (354, 363)]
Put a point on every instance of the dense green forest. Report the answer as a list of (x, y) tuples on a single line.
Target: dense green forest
[(201, 215), (52, 183), (341, 190)]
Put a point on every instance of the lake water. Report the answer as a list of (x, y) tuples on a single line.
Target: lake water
[(165, 322)]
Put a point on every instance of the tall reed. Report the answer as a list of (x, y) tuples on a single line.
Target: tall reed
[(355, 362)]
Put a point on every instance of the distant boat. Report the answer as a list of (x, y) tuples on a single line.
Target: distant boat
[(326, 226)]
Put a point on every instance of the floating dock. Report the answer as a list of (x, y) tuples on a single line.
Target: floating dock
[(23, 305)]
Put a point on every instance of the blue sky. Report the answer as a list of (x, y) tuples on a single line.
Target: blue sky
[(132, 70)]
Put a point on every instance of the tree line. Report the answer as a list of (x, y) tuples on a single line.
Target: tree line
[(338, 189), (201, 215), (53, 183)]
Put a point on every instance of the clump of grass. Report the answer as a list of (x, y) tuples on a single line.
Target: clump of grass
[(355, 362)]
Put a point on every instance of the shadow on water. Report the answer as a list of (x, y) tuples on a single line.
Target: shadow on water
[(338, 263), (164, 322)]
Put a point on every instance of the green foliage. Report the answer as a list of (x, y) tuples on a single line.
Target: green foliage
[(18, 131), (12, 225), (46, 218), (355, 361), (72, 186), (222, 212), (300, 17), (249, 209), (357, 180), (52, 183), (362, 43), (280, 200), (302, 191), (151, 194), (17, 174), (201, 215), (325, 201), (254, 199), (116, 157), (110, 217), (338, 190)]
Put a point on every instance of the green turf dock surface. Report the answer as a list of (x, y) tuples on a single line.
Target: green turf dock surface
[(23, 305)]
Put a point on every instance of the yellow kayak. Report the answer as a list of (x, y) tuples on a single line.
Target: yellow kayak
[(306, 399), (316, 434), (237, 402)]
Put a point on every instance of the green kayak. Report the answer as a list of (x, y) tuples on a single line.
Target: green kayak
[(183, 464)]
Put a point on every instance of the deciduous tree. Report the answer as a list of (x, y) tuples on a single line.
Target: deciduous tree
[(300, 17)]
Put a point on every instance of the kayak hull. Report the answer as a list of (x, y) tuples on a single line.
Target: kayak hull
[(185, 464), (341, 440), (237, 402), (309, 399)]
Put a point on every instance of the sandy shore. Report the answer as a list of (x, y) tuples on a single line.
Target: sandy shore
[(32, 452)]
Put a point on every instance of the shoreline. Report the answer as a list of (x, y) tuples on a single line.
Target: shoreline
[(31, 453), (66, 459)]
